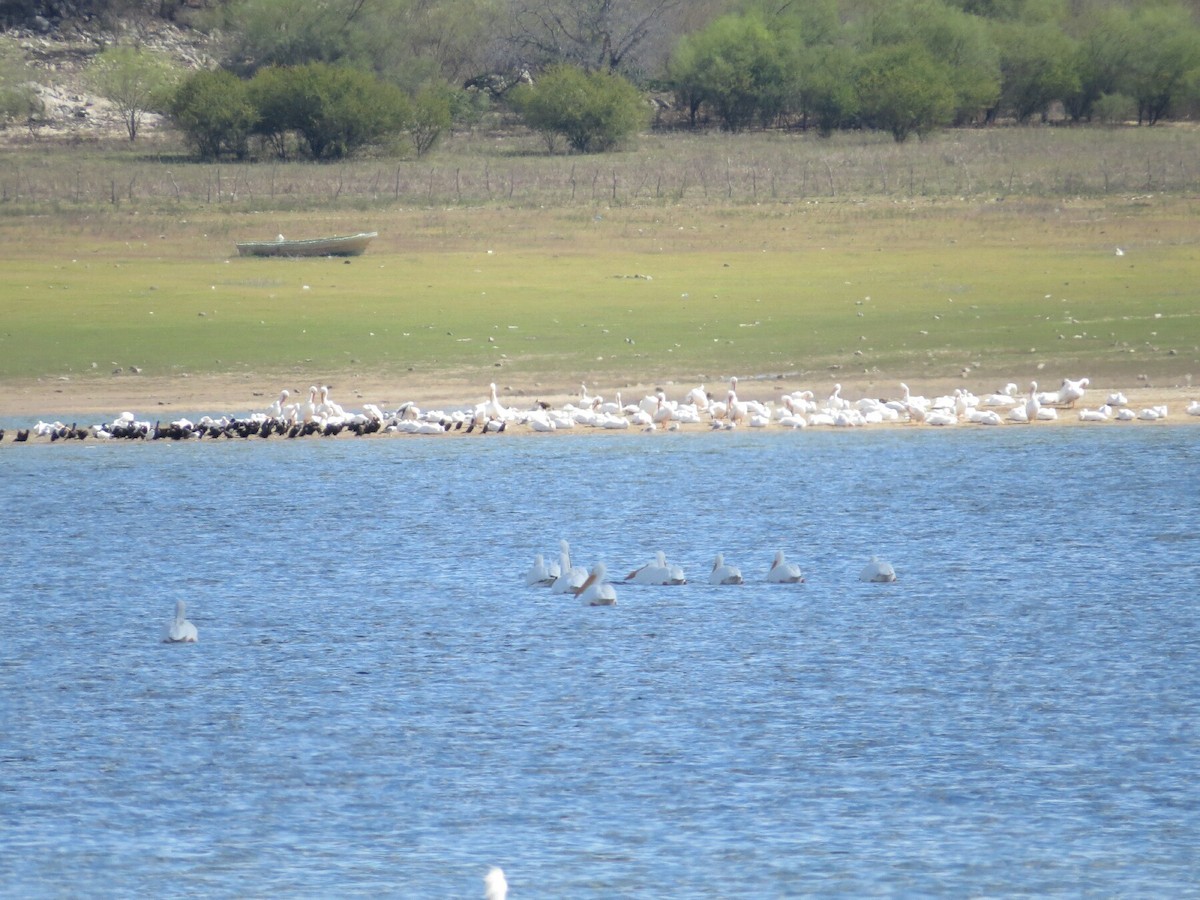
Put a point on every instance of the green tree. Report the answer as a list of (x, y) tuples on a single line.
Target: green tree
[(276, 102), (1164, 64), (430, 117), (964, 43), (735, 67), (213, 110), (1037, 67), (902, 89), (338, 111), (1102, 58), (136, 81), (629, 36), (828, 92), (406, 42), (595, 111), (289, 32)]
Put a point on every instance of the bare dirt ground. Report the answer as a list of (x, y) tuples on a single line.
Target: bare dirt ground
[(102, 399)]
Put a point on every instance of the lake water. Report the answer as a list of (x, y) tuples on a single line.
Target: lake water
[(378, 706)]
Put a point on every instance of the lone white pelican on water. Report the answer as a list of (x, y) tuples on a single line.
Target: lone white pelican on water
[(723, 574), (495, 885), (179, 630), (877, 570), (784, 572), (595, 591)]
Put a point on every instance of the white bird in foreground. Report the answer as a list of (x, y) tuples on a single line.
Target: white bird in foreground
[(723, 574), (877, 570), (179, 630), (595, 591), (495, 885), (783, 572)]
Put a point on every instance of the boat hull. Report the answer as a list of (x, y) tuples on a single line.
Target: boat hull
[(343, 245)]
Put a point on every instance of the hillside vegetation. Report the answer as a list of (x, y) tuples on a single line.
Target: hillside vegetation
[(902, 67)]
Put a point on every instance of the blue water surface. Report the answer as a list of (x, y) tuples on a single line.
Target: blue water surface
[(378, 706)]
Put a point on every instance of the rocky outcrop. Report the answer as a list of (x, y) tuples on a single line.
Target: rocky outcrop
[(57, 59)]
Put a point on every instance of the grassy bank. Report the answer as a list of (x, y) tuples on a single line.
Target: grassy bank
[(883, 284)]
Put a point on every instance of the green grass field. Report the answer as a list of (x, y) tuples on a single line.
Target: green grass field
[(829, 287)]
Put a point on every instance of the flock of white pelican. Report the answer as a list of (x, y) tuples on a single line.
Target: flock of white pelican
[(320, 414), (594, 589)]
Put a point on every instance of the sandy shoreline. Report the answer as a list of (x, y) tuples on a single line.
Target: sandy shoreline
[(97, 400)]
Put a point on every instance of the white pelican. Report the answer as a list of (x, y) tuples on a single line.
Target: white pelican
[(1005, 397), (569, 577), (909, 399), (540, 573), (595, 591), (984, 417), (657, 572), (1032, 405), (495, 885), (1193, 408), (327, 408), (308, 409), (275, 410), (1072, 391), (179, 630), (836, 401), (783, 572), (493, 408), (877, 570), (723, 574)]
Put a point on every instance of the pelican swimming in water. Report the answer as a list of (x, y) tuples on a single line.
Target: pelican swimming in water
[(541, 573), (595, 591), (569, 577), (723, 574), (877, 570), (495, 885), (657, 572), (179, 630), (784, 572)]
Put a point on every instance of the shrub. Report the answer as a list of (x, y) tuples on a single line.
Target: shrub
[(335, 111), (595, 111), (1113, 109), (18, 98), (735, 67), (214, 111), (902, 89), (136, 81), (430, 118), (273, 94)]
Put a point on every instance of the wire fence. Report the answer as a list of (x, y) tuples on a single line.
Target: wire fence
[(1048, 162)]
